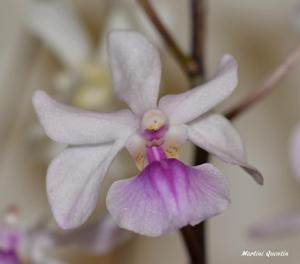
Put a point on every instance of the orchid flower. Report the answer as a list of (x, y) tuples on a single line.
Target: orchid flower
[(10, 238), (287, 222), (17, 243), (166, 194), (37, 242)]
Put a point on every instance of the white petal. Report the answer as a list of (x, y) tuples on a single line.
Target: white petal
[(69, 125), (58, 24), (215, 134), (136, 69), (187, 106), (98, 237), (74, 179)]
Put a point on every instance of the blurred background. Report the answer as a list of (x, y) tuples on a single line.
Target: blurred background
[(258, 33)]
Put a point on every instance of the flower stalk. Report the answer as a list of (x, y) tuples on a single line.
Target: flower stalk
[(187, 64), (197, 40), (194, 236), (267, 85)]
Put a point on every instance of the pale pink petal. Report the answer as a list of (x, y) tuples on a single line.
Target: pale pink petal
[(187, 106), (285, 224), (98, 237), (136, 69), (168, 195), (73, 126), (215, 134), (295, 152), (74, 179), (57, 23)]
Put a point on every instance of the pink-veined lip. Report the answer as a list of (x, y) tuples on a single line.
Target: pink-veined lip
[(155, 153)]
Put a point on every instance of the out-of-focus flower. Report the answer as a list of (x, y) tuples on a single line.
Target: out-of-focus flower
[(280, 225), (167, 194), (98, 237), (287, 222), (10, 237), (38, 242), (8, 257), (84, 81)]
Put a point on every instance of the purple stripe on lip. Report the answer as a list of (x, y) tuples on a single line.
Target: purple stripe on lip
[(155, 153), (154, 134)]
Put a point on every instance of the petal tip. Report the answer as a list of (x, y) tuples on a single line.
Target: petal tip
[(136, 69), (119, 36), (228, 59), (37, 96), (255, 173), (229, 64), (63, 219), (40, 100)]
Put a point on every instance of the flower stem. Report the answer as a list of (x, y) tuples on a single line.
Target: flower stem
[(186, 63), (194, 236), (197, 40), (267, 85)]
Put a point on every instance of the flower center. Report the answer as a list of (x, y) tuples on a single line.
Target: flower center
[(155, 153), (86, 86), (154, 120), (156, 140)]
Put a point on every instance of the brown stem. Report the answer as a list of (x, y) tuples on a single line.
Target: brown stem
[(197, 39), (194, 236), (184, 61), (267, 86)]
